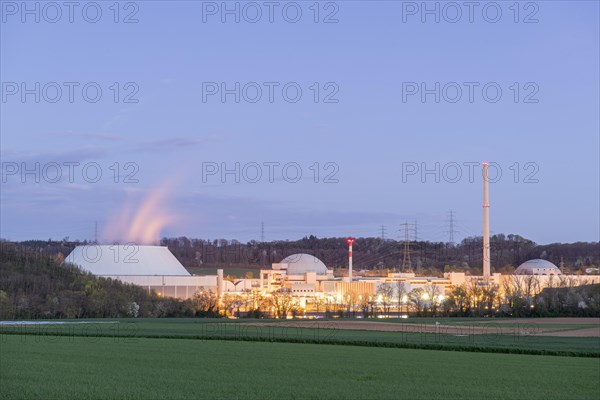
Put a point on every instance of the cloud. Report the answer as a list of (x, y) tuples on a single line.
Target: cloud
[(177, 142), (81, 154), (92, 135)]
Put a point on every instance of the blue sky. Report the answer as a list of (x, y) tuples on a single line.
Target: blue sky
[(367, 61)]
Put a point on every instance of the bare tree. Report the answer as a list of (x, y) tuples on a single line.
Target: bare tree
[(401, 295), (385, 294), (283, 302), (258, 304), (489, 296), (227, 303), (459, 300), (363, 301), (353, 302), (318, 302), (475, 295), (238, 302), (432, 293), (416, 297)]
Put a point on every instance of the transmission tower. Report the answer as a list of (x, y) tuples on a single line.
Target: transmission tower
[(96, 232), (382, 232), (451, 230), (418, 251), (262, 231), (406, 264)]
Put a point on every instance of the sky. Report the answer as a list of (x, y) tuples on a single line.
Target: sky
[(213, 119)]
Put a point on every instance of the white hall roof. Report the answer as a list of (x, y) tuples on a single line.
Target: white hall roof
[(126, 260)]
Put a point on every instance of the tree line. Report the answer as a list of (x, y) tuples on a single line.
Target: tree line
[(428, 258), (519, 296)]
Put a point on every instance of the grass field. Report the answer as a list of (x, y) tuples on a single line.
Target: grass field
[(262, 359), (513, 340), (91, 368)]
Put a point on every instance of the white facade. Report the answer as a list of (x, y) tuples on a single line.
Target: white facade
[(182, 287)]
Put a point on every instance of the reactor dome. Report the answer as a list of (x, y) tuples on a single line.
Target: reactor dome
[(537, 267), (301, 263)]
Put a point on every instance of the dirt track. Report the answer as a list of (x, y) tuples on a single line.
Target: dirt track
[(541, 321), (523, 326), (587, 332)]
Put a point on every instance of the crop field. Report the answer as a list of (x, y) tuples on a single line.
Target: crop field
[(101, 368), (509, 336), (188, 358)]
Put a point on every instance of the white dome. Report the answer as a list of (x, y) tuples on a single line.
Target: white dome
[(537, 267), (301, 263)]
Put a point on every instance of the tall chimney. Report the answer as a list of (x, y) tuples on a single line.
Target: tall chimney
[(486, 223), (350, 241)]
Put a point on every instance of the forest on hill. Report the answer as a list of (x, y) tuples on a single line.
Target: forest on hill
[(36, 285), (427, 258)]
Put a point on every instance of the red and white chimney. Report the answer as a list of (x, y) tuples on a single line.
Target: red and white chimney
[(350, 241)]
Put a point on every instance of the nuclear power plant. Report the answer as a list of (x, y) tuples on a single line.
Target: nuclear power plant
[(304, 276)]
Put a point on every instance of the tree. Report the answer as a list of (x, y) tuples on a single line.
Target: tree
[(227, 303), (489, 297), (205, 302), (258, 305), (459, 300), (239, 301), (385, 294), (364, 300), (417, 298), (353, 302), (318, 301), (401, 295), (432, 297), (282, 302)]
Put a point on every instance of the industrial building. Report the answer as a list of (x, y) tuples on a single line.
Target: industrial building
[(152, 267), (538, 267), (304, 276)]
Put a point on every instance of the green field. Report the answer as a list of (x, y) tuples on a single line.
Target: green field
[(92, 368), (188, 358), (194, 328)]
